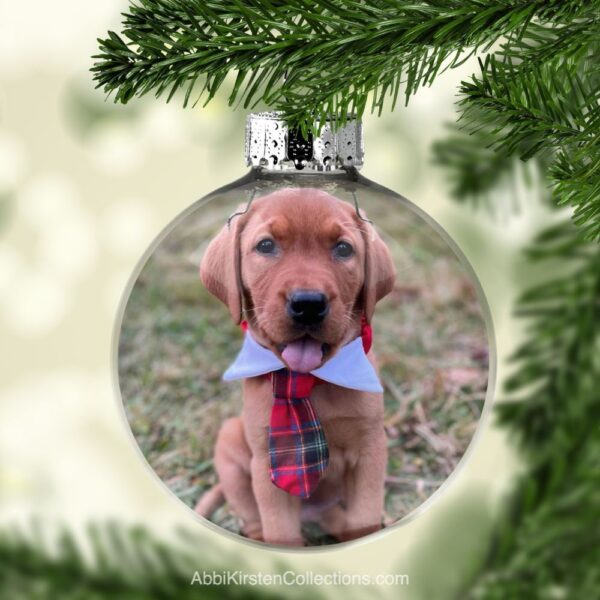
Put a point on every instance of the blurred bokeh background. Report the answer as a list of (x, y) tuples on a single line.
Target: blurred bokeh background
[(85, 186)]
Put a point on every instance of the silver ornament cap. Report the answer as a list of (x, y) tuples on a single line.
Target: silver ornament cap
[(272, 145)]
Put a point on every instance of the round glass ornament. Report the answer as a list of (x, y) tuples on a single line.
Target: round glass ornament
[(302, 221)]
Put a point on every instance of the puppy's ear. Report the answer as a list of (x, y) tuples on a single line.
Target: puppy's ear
[(220, 268), (380, 273)]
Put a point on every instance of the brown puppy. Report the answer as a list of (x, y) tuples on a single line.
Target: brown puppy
[(297, 240)]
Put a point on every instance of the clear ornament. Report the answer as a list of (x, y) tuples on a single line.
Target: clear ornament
[(429, 326)]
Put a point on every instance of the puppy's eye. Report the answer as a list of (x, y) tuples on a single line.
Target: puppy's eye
[(266, 246), (343, 250)]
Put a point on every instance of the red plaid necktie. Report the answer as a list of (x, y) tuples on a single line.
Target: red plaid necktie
[(298, 450), (298, 453)]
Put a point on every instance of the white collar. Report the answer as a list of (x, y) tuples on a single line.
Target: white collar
[(349, 368)]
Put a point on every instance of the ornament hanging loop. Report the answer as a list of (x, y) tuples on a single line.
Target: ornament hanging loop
[(243, 212)]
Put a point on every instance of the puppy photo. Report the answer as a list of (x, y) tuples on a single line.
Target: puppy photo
[(303, 271), (295, 377)]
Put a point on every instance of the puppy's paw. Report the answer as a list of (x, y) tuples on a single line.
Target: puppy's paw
[(334, 521), (281, 541), (253, 532), (358, 530)]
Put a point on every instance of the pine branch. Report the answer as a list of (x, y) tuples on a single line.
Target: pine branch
[(560, 360), (549, 545), (549, 548), (476, 171), (531, 108), (126, 564), (539, 98), (333, 52), (538, 94), (529, 101)]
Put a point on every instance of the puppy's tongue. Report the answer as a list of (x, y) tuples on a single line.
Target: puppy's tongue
[(303, 355)]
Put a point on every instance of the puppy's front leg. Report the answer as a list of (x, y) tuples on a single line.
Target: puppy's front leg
[(365, 489), (279, 511)]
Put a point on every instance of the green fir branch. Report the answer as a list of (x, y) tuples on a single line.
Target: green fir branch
[(532, 108), (536, 99), (537, 93), (124, 563), (311, 59), (559, 360), (549, 544), (476, 170)]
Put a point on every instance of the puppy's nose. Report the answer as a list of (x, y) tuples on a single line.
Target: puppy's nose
[(307, 307)]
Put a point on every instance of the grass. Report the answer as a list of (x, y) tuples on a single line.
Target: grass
[(430, 339)]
